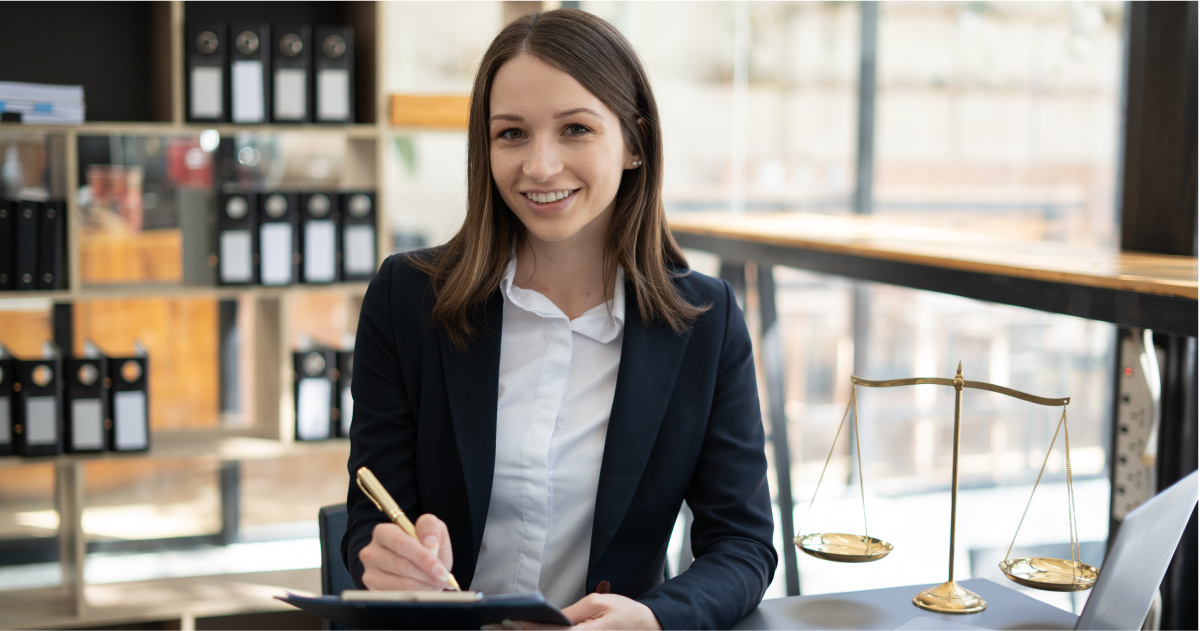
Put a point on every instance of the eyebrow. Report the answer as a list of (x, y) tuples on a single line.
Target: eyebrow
[(563, 114)]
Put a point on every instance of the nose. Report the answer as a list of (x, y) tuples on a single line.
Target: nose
[(542, 161)]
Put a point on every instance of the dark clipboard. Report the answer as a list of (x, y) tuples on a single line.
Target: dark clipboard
[(531, 607)]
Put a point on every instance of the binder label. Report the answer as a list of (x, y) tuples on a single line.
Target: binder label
[(247, 92), (313, 405), (206, 92), (86, 424), (290, 93), (129, 416), (320, 241), (235, 256), (347, 410), (41, 427), (276, 253), (360, 249), (333, 94)]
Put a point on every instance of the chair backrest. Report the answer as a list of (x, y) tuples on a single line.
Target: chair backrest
[(331, 520)]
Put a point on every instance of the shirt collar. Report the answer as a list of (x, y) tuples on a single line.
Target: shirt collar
[(603, 323)]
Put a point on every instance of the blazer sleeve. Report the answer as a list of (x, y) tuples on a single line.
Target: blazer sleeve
[(382, 434), (733, 526)]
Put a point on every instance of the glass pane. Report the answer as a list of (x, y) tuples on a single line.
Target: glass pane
[(1000, 118)]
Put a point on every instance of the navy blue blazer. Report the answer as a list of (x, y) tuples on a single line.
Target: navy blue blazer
[(685, 426)]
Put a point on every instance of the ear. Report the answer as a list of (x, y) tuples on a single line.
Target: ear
[(633, 160)]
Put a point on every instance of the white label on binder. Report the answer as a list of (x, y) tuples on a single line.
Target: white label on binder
[(86, 424), (247, 92), (235, 256), (290, 93), (41, 427), (359, 249), (5, 421), (333, 94), (312, 409), (319, 250), (276, 244), (347, 410), (129, 417), (206, 92)]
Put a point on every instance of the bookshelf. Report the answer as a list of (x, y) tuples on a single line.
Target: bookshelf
[(129, 56)]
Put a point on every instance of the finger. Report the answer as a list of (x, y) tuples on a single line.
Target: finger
[(384, 569), (588, 607), (436, 537), (399, 545)]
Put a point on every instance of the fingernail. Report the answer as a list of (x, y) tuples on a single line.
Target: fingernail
[(491, 627), (440, 572), (431, 542)]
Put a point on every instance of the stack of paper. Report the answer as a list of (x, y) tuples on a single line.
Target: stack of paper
[(41, 104)]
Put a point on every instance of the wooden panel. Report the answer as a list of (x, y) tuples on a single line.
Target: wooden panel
[(180, 335), (425, 110), (117, 257), (24, 331)]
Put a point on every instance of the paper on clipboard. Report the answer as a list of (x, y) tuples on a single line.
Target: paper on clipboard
[(430, 614)]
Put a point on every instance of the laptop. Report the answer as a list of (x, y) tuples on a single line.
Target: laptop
[(1138, 559)]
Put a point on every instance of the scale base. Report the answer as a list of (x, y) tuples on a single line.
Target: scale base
[(950, 597)]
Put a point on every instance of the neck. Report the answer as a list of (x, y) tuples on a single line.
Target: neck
[(573, 279)]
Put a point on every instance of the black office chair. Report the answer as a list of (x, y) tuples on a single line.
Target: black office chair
[(334, 576)]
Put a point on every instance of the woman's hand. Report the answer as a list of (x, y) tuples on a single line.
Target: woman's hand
[(610, 611), (395, 561)]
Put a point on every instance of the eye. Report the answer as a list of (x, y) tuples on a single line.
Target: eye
[(575, 129), (510, 134)]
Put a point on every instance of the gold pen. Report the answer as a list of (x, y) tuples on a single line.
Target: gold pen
[(383, 501)]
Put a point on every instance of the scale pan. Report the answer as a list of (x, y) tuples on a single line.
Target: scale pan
[(1055, 575), (842, 547)]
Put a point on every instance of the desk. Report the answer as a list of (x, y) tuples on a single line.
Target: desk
[(890, 608), (1150, 291)]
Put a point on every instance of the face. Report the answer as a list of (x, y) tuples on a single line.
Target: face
[(557, 153)]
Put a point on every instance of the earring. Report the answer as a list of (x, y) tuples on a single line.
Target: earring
[(637, 163)]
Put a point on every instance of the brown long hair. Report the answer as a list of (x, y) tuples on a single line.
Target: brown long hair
[(470, 266)]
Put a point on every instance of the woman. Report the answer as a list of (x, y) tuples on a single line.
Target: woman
[(546, 389)]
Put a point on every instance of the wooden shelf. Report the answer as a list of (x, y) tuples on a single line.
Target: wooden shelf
[(163, 599), (188, 445), (1127, 288)]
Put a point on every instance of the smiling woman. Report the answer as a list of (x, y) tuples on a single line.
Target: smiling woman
[(555, 379)]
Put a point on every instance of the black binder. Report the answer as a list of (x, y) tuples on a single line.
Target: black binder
[(291, 68), (430, 615), (37, 407), (8, 241), (198, 223), (86, 404), (278, 239), (237, 239), (51, 245), (207, 51), (358, 235), (320, 214), (129, 405), (8, 377), (345, 399), (28, 219), (333, 70), (250, 73), (316, 383)]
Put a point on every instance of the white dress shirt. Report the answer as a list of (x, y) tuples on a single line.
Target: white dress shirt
[(557, 380)]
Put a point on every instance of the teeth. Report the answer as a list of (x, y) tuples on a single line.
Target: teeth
[(546, 198)]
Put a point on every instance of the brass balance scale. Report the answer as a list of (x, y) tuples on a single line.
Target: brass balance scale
[(950, 597)]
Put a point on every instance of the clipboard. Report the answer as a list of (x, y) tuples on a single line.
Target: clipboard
[(425, 614)]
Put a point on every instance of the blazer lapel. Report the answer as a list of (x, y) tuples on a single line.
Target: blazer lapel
[(650, 359), (472, 378)]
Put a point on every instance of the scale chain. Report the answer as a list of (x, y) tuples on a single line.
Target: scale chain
[(849, 404)]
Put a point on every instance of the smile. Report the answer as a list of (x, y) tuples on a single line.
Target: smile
[(548, 198)]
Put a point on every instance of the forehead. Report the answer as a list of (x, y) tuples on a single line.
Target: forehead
[(527, 86)]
